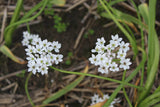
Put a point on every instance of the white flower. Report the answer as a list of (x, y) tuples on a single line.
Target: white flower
[(36, 41), (113, 44), (97, 99), (30, 49), (124, 46), (26, 35), (103, 69), (56, 46), (100, 41), (108, 48), (97, 49), (32, 67), (25, 42), (58, 58), (125, 63), (39, 49), (49, 47), (107, 62), (114, 67), (39, 53), (43, 69), (31, 57), (93, 59), (101, 59), (116, 38), (121, 54), (110, 57)]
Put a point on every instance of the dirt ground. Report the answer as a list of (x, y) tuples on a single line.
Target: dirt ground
[(12, 93)]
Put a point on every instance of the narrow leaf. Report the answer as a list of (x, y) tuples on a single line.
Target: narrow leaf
[(58, 2), (6, 51), (143, 8)]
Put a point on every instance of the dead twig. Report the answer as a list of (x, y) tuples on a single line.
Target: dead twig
[(3, 24), (75, 5), (79, 37), (8, 86), (10, 75)]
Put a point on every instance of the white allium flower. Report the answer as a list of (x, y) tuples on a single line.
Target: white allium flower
[(39, 53), (125, 63), (110, 57), (100, 41), (113, 44), (108, 48), (31, 57), (114, 67), (103, 69), (30, 49), (93, 59), (36, 41), (124, 46), (32, 67), (121, 54), (97, 99), (97, 49), (56, 46), (43, 69), (116, 38), (58, 58), (25, 42)]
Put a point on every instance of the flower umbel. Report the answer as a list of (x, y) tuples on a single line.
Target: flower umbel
[(39, 53), (112, 56), (97, 99)]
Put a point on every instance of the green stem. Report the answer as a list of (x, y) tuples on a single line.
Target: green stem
[(142, 40), (124, 91), (35, 8), (100, 77), (26, 88), (150, 99), (8, 34), (29, 19)]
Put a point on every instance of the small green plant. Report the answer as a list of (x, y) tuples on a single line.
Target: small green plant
[(59, 25), (69, 57), (49, 10), (90, 32)]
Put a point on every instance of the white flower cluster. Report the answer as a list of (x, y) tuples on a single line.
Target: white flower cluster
[(39, 53), (96, 99), (112, 56)]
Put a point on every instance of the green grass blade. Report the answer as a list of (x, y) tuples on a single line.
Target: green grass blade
[(8, 34), (6, 51), (157, 90), (153, 52), (34, 9), (143, 8), (151, 100), (125, 17), (157, 105), (115, 2), (65, 89), (28, 19)]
